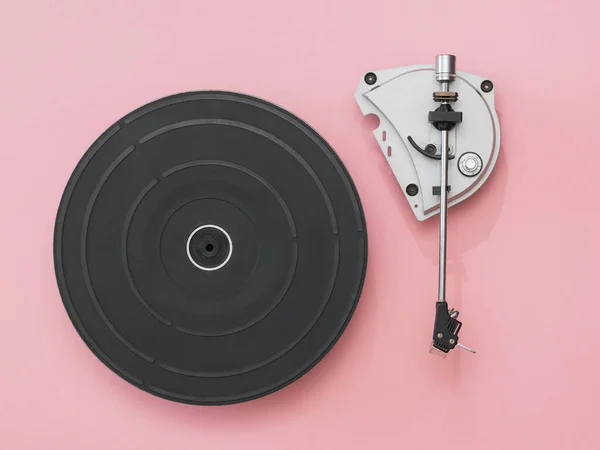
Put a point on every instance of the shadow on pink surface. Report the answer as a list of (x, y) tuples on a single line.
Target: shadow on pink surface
[(470, 224)]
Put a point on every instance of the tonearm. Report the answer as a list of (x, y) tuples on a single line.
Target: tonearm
[(440, 154)]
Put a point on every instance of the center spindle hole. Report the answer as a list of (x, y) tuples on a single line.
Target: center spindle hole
[(209, 247)]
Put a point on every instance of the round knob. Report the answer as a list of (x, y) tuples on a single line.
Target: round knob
[(445, 68), (470, 164)]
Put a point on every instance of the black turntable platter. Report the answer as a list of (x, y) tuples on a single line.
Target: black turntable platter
[(210, 247)]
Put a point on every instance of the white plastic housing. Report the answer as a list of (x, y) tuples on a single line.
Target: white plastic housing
[(402, 98)]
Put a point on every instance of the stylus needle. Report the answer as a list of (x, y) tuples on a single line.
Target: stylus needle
[(464, 347)]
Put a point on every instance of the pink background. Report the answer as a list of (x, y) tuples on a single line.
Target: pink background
[(523, 251)]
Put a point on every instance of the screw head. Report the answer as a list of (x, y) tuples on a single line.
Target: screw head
[(412, 189), (440, 335), (487, 86), (370, 78), (452, 341)]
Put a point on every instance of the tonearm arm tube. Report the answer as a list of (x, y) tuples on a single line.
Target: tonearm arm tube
[(444, 118)]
